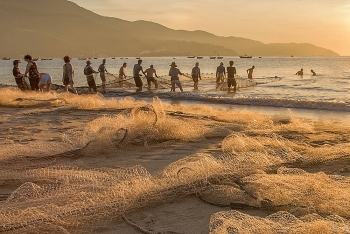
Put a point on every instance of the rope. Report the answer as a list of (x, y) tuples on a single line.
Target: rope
[(141, 229)]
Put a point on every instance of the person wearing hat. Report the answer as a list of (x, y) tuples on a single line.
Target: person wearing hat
[(19, 77), (196, 74), (231, 80), (137, 69), (174, 73), (250, 72), (220, 74), (89, 72), (68, 75), (102, 69)]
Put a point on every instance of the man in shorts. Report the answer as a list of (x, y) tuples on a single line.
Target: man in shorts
[(220, 74), (250, 72), (102, 69), (150, 72), (122, 75), (45, 80), (196, 75), (231, 81)]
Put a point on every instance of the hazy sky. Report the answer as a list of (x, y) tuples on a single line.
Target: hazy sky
[(324, 23)]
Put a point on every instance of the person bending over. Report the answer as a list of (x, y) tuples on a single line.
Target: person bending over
[(45, 80)]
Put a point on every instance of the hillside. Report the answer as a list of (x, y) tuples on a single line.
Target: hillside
[(62, 27)]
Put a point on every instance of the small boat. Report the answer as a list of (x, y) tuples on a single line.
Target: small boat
[(6, 58), (95, 58), (212, 57), (220, 57), (198, 57), (292, 56), (138, 58), (82, 58), (113, 58), (260, 57), (191, 57), (245, 56)]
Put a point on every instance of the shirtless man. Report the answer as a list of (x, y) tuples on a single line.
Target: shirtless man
[(231, 80), (300, 73), (150, 78), (250, 72), (313, 73), (122, 75)]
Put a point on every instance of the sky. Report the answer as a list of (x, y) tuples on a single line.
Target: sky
[(325, 23)]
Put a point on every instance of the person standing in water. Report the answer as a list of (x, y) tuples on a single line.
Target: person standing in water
[(150, 72), (137, 78), (313, 73), (231, 81), (32, 72), (122, 74), (45, 80), (68, 75), (19, 77), (250, 72), (300, 73), (89, 72), (196, 75), (102, 69), (174, 73), (220, 74)]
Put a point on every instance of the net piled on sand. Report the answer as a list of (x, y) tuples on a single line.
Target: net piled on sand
[(234, 222)]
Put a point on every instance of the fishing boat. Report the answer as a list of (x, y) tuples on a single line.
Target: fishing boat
[(212, 57), (138, 58), (198, 57), (191, 57), (113, 58), (82, 58), (6, 58), (220, 57), (245, 56)]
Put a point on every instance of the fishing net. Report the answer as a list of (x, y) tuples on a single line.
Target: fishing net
[(234, 222), (255, 169)]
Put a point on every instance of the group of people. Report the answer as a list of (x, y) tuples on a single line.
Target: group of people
[(38, 81), (301, 72)]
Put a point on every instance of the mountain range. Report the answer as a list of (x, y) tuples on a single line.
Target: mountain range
[(54, 28)]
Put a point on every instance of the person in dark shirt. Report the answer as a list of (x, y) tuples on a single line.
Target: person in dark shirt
[(89, 72), (136, 72), (32, 72), (231, 81), (19, 77)]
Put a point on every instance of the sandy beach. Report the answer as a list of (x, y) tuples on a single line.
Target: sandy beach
[(87, 164)]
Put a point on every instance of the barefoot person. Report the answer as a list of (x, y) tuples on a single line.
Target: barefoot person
[(19, 77), (32, 72), (220, 74), (313, 73), (300, 73), (196, 75), (89, 72), (122, 74), (250, 72), (137, 78), (45, 80), (68, 75), (150, 73), (102, 69), (174, 73), (231, 81)]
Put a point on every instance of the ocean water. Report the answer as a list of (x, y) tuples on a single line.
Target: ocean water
[(328, 90)]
